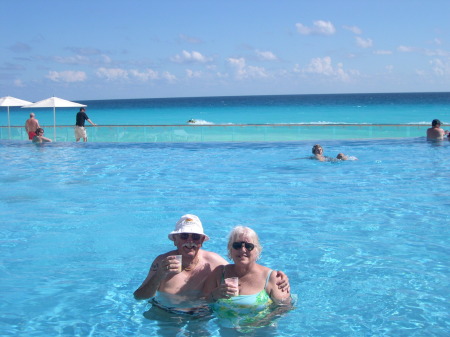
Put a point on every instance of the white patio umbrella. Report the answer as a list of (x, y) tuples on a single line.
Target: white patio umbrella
[(54, 102), (11, 101)]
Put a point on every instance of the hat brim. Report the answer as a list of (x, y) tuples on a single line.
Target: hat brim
[(175, 233)]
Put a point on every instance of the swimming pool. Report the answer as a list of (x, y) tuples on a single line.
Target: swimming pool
[(364, 243)]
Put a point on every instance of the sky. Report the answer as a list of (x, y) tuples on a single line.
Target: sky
[(96, 49)]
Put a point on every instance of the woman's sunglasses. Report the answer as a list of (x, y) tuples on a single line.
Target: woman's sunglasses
[(238, 245), (195, 237)]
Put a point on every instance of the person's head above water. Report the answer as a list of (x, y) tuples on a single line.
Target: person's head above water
[(436, 122), (317, 149)]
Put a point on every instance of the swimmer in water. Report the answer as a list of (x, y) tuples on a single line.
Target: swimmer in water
[(317, 151), (39, 137), (192, 121)]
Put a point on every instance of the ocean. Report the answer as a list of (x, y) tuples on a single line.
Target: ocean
[(390, 108)]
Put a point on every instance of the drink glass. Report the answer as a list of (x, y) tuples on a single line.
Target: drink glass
[(179, 258), (235, 282)]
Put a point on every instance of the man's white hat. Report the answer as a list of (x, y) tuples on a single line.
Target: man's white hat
[(188, 223)]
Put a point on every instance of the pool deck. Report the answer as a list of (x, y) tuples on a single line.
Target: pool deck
[(224, 133)]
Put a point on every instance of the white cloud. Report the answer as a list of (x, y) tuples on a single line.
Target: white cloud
[(168, 76), (243, 71), (191, 73), (145, 75), (77, 59), (437, 41), (363, 43), (405, 49), (266, 55), (323, 66), (353, 29), (437, 52), (112, 73), (190, 57), (440, 68), (189, 39), (319, 27), (68, 76), (105, 59)]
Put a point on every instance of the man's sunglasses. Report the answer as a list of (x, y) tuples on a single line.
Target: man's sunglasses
[(238, 245), (195, 237)]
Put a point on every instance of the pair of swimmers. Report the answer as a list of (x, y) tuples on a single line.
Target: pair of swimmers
[(317, 151)]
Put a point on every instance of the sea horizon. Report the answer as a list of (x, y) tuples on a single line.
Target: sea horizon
[(279, 111)]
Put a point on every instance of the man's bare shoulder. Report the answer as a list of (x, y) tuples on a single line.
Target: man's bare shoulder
[(213, 258), (162, 256)]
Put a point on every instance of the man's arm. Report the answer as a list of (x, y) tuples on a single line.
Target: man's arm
[(151, 283), (92, 123), (161, 268), (282, 281)]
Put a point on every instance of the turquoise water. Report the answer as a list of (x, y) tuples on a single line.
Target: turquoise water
[(349, 116), (412, 108), (364, 243)]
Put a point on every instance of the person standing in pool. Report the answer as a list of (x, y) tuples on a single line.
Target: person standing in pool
[(31, 125), (436, 132), (80, 130), (178, 291), (251, 301)]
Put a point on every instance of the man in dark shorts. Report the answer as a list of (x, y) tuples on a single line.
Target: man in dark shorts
[(80, 130)]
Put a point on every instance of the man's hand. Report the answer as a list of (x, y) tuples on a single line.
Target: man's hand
[(283, 282)]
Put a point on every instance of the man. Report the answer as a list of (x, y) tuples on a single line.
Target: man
[(181, 292), (80, 130), (31, 125), (435, 132)]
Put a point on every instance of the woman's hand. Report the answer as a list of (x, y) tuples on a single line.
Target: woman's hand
[(224, 290)]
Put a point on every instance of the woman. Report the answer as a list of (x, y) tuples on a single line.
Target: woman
[(39, 138), (257, 289)]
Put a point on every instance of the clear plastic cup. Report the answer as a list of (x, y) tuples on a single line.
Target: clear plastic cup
[(179, 258), (233, 281)]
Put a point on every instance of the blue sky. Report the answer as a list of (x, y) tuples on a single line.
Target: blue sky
[(144, 49)]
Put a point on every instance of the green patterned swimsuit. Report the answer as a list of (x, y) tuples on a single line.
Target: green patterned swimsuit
[(243, 310)]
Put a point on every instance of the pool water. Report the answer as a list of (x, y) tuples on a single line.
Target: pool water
[(365, 243)]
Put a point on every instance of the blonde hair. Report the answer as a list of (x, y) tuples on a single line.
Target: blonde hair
[(241, 231)]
